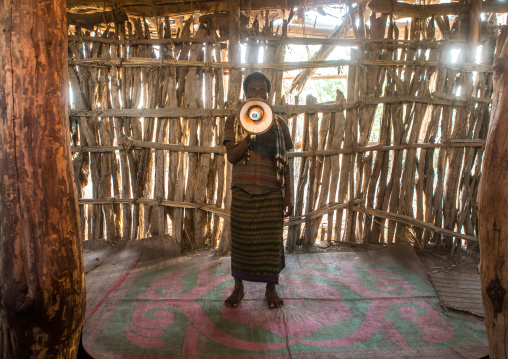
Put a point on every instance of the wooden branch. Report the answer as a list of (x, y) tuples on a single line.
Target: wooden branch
[(178, 148), (293, 40), (412, 221), (169, 112), (381, 148), (159, 202), (129, 42), (328, 208), (210, 207), (89, 21), (137, 144), (422, 11), (290, 110), (286, 66), (296, 40), (344, 24)]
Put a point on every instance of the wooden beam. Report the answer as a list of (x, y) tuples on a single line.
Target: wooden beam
[(88, 21), (285, 66), (372, 147), (290, 110), (149, 9), (273, 40), (422, 11), (42, 279)]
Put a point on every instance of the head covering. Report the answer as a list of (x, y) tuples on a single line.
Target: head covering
[(257, 75)]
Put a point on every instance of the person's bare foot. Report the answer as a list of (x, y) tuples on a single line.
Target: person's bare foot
[(272, 297), (236, 296)]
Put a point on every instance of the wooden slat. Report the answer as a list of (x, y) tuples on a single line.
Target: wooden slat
[(412, 221)]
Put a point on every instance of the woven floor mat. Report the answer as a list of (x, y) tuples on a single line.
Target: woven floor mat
[(459, 291), (373, 304)]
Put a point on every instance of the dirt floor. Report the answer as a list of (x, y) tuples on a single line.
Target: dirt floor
[(433, 258), (438, 259)]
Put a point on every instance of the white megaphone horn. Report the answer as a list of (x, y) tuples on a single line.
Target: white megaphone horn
[(255, 116)]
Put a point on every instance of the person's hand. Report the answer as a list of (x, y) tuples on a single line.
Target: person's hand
[(287, 206)]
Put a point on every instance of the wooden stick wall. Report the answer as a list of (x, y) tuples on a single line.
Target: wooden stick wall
[(147, 119)]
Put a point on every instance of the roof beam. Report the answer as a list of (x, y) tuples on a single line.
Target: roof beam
[(422, 11), (147, 8), (88, 21)]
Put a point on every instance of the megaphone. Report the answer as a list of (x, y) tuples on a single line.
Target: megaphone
[(255, 116)]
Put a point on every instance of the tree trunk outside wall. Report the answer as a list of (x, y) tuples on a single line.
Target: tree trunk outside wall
[(42, 278), (492, 216)]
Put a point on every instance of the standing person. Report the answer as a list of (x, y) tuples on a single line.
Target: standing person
[(261, 196)]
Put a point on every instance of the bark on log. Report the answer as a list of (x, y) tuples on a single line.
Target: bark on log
[(42, 277), (492, 212)]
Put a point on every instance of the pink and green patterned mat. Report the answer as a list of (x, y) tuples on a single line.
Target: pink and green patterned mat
[(374, 304)]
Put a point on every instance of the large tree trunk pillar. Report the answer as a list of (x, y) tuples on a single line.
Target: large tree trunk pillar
[(493, 216), (42, 278)]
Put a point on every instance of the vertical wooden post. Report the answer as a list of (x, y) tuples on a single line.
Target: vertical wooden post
[(220, 162), (291, 237), (203, 169), (311, 174), (459, 127), (492, 216), (42, 277), (234, 90), (295, 230)]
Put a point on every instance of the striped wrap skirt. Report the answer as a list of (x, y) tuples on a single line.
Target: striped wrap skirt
[(257, 250)]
